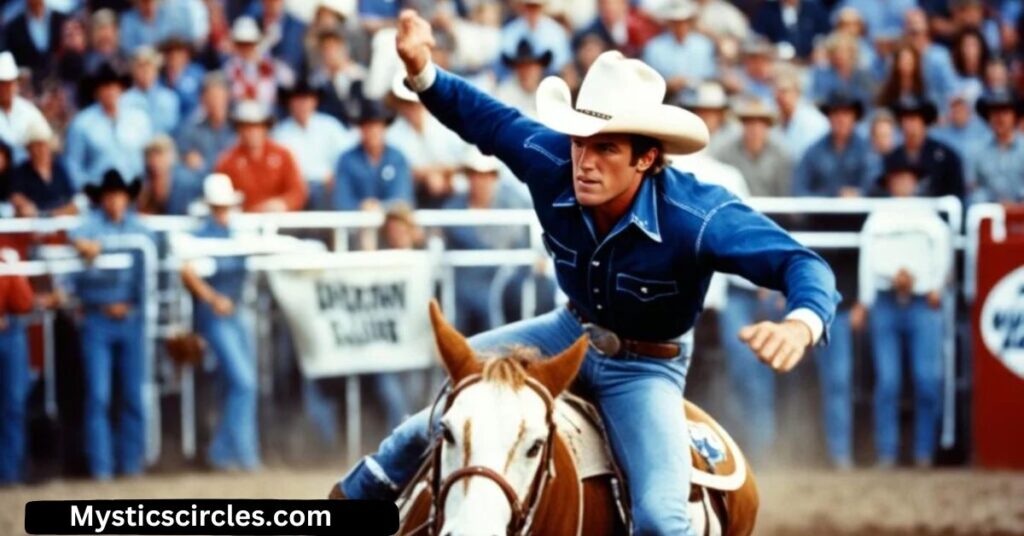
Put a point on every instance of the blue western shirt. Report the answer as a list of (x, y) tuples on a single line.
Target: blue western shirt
[(229, 279), (96, 287), (646, 279), (357, 179), (823, 172)]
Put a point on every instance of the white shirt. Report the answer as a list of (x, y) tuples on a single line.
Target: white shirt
[(513, 94), (435, 146), (14, 125), (906, 235), (316, 147)]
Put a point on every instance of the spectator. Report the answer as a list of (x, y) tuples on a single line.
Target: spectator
[(849, 22), (107, 134), (680, 54), (104, 43), (882, 17), (970, 55), (17, 114), (997, 75), (150, 22), (70, 58), (148, 95), (316, 140), (722, 22), (252, 74), (999, 163), (793, 22), (971, 16), (883, 135), (942, 172), (217, 299), (206, 135), (112, 331), (429, 148), (905, 261), (843, 72), (617, 27), (764, 162), (588, 48), (963, 130), (372, 172), (41, 186), (329, 16), (181, 74), (936, 64), (839, 164), (800, 123), (758, 72), (540, 30), (34, 37), (16, 298), (167, 188), (527, 66), (337, 77), (282, 34), (262, 170), (905, 78), (710, 103), (473, 292)]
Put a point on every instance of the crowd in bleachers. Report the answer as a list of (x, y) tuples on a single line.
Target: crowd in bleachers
[(110, 108)]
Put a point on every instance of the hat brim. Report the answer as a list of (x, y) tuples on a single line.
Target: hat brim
[(234, 201), (680, 131), (985, 108), (95, 191), (858, 108), (511, 61), (929, 113)]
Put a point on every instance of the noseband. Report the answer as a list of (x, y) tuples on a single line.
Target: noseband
[(522, 511)]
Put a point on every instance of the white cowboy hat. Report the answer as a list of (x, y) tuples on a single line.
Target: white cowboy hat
[(8, 68), (218, 191), (476, 161), (708, 95), (620, 95), (245, 30), (251, 112), (345, 8), (402, 91), (678, 10)]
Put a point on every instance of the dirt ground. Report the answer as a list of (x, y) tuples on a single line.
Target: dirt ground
[(864, 502)]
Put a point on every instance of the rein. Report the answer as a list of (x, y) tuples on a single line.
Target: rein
[(522, 511)]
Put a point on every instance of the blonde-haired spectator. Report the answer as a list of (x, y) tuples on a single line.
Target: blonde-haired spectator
[(843, 72)]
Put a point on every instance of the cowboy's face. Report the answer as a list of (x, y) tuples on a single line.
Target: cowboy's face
[(902, 184), (1002, 120), (602, 171), (108, 95), (914, 128), (216, 100), (114, 204), (220, 213), (372, 133), (302, 107), (529, 74), (252, 135), (842, 121), (145, 73)]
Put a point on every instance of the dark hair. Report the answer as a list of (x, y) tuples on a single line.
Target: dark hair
[(960, 62), (640, 144), (891, 90)]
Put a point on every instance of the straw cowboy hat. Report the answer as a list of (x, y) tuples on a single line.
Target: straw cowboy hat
[(624, 96), (753, 108), (218, 191), (8, 68)]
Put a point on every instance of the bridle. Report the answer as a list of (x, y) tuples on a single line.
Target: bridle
[(522, 511)]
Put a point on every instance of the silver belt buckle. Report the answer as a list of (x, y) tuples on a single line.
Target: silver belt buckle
[(603, 340)]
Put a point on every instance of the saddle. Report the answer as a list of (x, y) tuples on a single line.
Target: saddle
[(718, 464)]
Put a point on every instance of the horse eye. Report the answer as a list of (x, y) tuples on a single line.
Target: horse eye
[(535, 449), (447, 434)]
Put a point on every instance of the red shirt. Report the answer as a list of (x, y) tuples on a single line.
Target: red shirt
[(273, 175)]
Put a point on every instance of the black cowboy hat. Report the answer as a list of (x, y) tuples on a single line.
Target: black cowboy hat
[(112, 181), (998, 100), (107, 73), (842, 100), (176, 42), (301, 88), (525, 53), (366, 110), (915, 105)]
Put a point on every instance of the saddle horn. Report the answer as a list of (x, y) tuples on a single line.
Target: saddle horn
[(456, 354)]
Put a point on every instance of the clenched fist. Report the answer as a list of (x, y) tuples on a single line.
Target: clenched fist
[(781, 345), (414, 41)]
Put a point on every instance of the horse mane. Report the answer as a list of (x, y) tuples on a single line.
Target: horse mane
[(511, 368)]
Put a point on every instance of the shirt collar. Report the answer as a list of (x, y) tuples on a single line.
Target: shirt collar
[(643, 213)]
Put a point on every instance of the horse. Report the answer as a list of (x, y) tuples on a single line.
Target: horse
[(516, 454)]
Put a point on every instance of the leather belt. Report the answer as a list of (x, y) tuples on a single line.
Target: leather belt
[(609, 344)]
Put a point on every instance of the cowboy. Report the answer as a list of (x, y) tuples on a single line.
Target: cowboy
[(16, 298), (253, 74), (17, 114), (840, 162), (41, 186), (943, 172), (800, 123), (709, 101), (374, 171), (148, 94), (217, 314), (528, 66), (763, 160), (635, 243), (998, 174), (112, 330), (680, 54)]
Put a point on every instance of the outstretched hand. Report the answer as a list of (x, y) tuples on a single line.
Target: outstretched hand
[(414, 41), (780, 345)]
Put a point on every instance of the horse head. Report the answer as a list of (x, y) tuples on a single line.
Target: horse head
[(494, 455)]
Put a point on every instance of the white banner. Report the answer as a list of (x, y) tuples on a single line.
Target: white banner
[(358, 312)]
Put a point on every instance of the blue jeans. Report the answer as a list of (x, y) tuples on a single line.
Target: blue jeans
[(918, 327), (235, 443), (835, 374), (753, 381), (14, 387), (639, 398), (109, 344)]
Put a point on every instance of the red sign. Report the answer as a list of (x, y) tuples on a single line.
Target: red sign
[(998, 334)]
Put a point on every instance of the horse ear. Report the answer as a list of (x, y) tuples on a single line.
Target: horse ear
[(457, 356), (558, 372)]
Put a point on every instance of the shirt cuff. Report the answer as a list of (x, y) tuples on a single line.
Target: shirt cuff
[(811, 319), (422, 81)]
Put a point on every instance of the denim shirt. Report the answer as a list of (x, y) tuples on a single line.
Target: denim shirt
[(647, 278), (229, 279), (96, 287)]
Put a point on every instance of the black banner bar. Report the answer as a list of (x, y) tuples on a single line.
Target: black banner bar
[(212, 516)]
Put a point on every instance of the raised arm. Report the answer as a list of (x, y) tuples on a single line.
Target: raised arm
[(475, 116)]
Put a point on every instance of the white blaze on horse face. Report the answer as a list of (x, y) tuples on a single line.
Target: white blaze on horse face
[(503, 425)]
